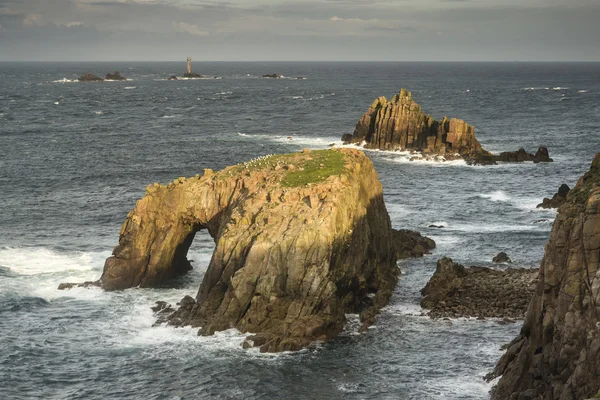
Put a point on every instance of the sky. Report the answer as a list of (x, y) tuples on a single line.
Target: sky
[(300, 30)]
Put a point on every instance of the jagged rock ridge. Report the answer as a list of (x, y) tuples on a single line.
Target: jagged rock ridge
[(400, 124), (557, 354), (301, 240)]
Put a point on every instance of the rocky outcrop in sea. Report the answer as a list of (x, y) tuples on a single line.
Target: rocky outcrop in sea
[(301, 240), (557, 353), (90, 78), (115, 76), (457, 291), (400, 124), (557, 200)]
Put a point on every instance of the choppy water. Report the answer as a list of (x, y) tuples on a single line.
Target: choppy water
[(74, 157)]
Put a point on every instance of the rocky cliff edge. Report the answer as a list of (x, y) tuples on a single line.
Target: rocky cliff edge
[(557, 354)]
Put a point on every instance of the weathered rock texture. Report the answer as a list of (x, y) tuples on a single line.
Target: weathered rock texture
[(301, 239), (557, 200), (502, 258), (400, 124), (455, 291), (557, 354), (411, 244)]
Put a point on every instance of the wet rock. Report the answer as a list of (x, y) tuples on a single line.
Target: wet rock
[(115, 76), (411, 244), (456, 291), (501, 258), (271, 76), (556, 355), (64, 286), (173, 78), (558, 199), (90, 78), (297, 248)]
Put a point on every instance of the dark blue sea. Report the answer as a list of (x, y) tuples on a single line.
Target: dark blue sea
[(74, 158)]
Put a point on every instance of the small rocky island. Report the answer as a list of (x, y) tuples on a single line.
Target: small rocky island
[(115, 76), (559, 198), (400, 124), (301, 240), (557, 353)]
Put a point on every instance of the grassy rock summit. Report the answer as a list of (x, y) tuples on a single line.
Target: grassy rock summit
[(557, 354), (400, 124), (301, 240)]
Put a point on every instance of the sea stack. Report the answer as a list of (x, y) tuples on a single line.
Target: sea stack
[(557, 353), (400, 124), (301, 240)]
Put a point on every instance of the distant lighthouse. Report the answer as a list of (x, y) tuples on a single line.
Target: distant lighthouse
[(189, 67)]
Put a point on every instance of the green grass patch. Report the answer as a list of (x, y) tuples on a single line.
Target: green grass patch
[(580, 194), (321, 165)]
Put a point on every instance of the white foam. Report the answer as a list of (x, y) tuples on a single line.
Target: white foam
[(130, 87), (57, 103), (242, 134), (169, 116), (498, 195), (492, 228), (65, 80), (560, 88), (536, 88), (33, 261), (582, 91), (297, 97), (98, 112)]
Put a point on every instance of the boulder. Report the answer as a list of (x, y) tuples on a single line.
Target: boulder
[(90, 78), (271, 76), (400, 124), (411, 244), (295, 248), (173, 78), (115, 76), (557, 200), (557, 353), (502, 258), (479, 292)]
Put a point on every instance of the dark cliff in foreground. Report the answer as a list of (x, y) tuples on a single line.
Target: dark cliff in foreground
[(557, 354), (400, 124), (301, 240)]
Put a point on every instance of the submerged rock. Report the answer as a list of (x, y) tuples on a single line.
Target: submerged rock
[(557, 200), (455, 291), (557, 353), (296, 248), (400, 124), (65, 286), (272, 76), (115, 76), (90, 78)]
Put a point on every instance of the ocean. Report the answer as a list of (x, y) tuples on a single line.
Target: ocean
[(74, 158)]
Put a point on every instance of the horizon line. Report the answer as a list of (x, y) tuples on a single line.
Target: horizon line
[(316, 61)]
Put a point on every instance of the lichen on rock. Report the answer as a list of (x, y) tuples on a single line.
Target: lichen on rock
[(557, 353), (300, 240)]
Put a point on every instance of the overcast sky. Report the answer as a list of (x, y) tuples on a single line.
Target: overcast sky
[(363, 30)]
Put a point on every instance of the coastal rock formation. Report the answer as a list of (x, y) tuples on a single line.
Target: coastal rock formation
[(400, 124), (115, 76), (557, 200), (301, 240), (90, 78), (557, 353), (501, 258), (173, 78), (192, 75), (271, 76), (411, 244), (455, 291)]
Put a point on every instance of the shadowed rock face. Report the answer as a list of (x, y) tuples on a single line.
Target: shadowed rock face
[(301, 239), (557, 354), (400, 124)]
